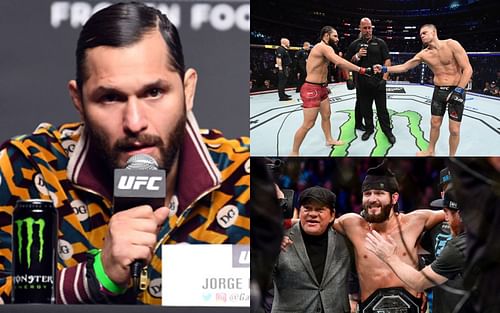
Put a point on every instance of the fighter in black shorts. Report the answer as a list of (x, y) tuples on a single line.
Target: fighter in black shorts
[(441, 97), (450, 64)]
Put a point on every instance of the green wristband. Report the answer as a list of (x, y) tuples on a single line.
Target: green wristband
[(104, 279)]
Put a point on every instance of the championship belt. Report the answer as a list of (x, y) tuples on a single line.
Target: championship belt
[(390, 300)]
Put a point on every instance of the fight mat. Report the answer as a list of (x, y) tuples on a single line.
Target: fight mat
[(273, 124)]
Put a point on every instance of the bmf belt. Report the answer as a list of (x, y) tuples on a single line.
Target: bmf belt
[(390, 300)]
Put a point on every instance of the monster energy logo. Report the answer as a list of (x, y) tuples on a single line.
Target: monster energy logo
[(29, 221), (40, 281), (382, 145)]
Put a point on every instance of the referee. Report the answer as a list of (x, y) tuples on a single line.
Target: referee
[(283, 63), (367, 51), (301, 57)]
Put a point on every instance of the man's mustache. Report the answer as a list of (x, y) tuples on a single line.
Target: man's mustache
[(129, 143)]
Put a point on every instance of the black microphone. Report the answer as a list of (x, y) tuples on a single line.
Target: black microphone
[(139, 183)]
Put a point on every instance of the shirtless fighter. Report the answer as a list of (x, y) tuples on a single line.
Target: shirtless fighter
[(376, 279), (314, 92), (448, 61)]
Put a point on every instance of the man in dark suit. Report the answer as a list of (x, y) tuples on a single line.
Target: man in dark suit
[(301, 57), (311, 275), (366, 51), (283, 63)]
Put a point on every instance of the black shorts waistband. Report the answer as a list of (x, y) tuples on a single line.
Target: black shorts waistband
[(447, 88), (325, 84)]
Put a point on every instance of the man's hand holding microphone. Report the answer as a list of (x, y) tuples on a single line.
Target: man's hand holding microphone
[(132, 235), (139, 211), (362, 52)]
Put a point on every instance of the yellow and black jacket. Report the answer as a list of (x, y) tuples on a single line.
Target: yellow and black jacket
[(55, 164)]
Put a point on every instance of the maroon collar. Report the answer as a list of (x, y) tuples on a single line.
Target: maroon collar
[(196, 176)]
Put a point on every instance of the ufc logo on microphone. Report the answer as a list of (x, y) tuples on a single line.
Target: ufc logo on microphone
[(138, 182)]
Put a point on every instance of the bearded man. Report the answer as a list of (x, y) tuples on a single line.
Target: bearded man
[(135, 96), (380, 212), (314, 92)]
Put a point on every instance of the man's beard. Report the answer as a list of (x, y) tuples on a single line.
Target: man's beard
[(168, 150), (334, 45), (380, 217)]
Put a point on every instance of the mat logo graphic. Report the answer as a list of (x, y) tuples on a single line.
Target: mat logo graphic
[(382, 145), (30, 223)]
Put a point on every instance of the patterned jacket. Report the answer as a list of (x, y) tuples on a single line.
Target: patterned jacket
[(213, 179)]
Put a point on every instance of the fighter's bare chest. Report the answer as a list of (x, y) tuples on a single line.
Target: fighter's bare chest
[(404, 234), (441, 57)]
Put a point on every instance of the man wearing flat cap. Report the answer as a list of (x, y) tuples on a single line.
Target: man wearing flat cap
[(378, 283), (311, 276), (448, 265)]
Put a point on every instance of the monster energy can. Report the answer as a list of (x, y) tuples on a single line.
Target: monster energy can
[(34, 243)]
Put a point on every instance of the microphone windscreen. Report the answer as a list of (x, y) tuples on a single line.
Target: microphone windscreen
[(141, 162)]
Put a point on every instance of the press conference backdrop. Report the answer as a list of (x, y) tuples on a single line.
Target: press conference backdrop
[(37, 59)]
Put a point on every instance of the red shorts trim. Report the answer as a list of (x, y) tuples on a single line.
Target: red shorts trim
[(312, 95)]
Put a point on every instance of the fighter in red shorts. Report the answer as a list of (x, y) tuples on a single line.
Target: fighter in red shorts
[(314, 92)]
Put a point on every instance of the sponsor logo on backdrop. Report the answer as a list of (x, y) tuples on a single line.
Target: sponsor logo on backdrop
[(217, 15)]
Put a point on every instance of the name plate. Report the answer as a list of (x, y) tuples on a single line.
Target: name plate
[(206, 275)]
